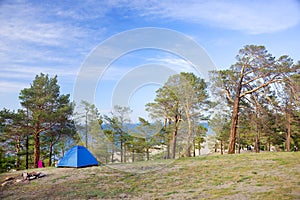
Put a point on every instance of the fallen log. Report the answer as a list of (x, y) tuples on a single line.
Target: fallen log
[(26, 177), (32, 175)]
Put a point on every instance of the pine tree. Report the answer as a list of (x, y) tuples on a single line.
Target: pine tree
[(46, 106)]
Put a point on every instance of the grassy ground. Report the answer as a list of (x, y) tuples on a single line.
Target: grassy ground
[(245, 176)]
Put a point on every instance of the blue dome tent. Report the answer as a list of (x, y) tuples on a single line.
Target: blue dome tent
[(78, 156)]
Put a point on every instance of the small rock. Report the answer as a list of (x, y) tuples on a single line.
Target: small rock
[(18, 180), (25, 175), (123, 196)]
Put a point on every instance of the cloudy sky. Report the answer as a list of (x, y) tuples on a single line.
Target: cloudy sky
[(57, 38)]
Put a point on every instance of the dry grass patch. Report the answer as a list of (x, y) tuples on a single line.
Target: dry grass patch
[(245, 176)]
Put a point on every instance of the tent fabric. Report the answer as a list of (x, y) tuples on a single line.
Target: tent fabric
[(78, 156)]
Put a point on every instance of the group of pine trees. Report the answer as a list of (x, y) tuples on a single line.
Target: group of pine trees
[(262, 96), (253, 103), (43, 127)]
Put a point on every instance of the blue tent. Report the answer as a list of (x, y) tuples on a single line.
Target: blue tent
[(78, 156)]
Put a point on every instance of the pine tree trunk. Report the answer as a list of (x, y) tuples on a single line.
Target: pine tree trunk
[(174, 139), (256, 139), (133, 155), (256, 146), (112, 153), (124, 154), (174, 143), (121, 151), (239, 142), (18, 149), (36, 149), (235, 114), (112, 149), (50, 154), (27, 139), (27, 150), (194, 148), (234, 122), (86, 130), (188, 148), (168, 150), (221, 146), (288, 134), (147, 152), (168, 140)]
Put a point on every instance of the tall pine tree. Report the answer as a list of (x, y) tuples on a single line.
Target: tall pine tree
[(46, 106)]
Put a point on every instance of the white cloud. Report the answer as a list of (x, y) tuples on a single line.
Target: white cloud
[(28, 72), (176, 64), (82, 9), (55, 38), (254, 17), (11, 87), (22, 22), (15, 78), (34, 32), (34, 39)]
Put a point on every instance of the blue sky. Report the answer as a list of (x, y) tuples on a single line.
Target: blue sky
[(57, 38)]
